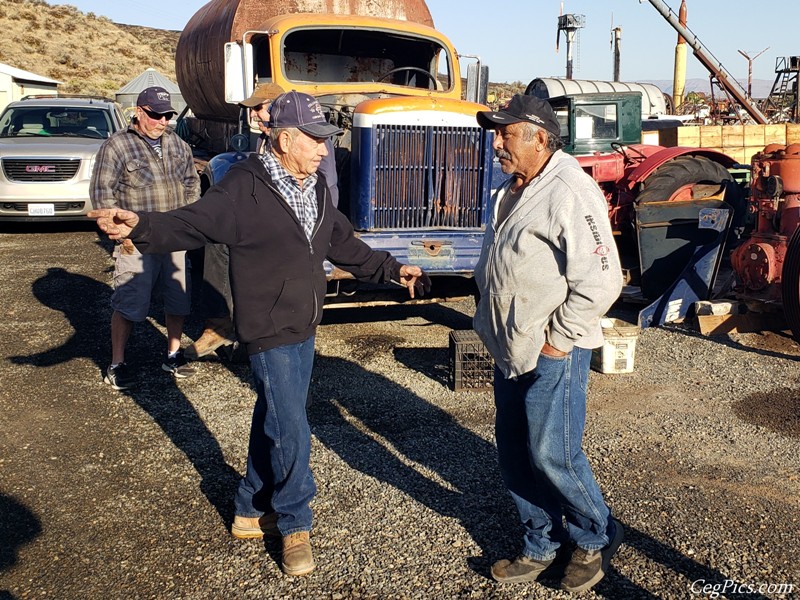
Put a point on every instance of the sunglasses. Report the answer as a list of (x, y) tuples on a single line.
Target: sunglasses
[(156, 116)]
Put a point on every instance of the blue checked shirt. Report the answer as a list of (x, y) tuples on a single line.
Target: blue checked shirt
[(303, 201)]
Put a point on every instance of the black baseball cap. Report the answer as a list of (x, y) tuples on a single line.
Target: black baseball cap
[(522, 108), (157, 99), (297, 110)]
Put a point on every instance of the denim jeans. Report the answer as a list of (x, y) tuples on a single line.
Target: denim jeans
[(539, 429), (278, 474)]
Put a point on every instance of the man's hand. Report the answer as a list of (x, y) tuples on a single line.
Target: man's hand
[(117, 223), (549, 350), (415, 279)]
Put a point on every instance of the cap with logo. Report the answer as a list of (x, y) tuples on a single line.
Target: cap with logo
[(297, 110), (157, 99), (522, 108), (266, 92)]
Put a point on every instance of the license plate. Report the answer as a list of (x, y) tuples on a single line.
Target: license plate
[(41, 210)]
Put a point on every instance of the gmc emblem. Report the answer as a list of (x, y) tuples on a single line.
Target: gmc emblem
[(40, 169)]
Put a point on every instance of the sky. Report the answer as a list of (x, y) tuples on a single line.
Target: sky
[(517, 38)]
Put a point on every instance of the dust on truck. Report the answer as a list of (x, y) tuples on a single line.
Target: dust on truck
[(414, 167)]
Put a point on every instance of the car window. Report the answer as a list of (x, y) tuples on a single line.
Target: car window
[(56, 121), (24, 122)]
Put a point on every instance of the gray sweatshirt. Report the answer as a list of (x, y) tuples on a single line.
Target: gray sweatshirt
[(549, 271)]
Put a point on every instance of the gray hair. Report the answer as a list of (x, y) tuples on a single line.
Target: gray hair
[(530, 130), (275, 132)]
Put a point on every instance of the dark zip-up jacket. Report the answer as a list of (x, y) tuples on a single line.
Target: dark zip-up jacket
[(277, 278)]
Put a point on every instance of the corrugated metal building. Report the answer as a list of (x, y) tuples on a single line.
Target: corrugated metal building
[(16, 83), (126, 96)]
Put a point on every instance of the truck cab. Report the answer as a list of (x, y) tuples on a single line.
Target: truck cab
[(414, 166), (595, 122)]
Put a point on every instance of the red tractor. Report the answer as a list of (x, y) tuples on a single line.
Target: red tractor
[(673, 210)]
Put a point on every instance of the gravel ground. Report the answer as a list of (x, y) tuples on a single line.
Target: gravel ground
[(106, 494)]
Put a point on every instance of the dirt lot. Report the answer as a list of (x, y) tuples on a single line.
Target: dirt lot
[(129, 495)]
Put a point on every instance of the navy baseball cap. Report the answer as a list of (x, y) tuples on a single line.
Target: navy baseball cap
[(157, 99), (296, 110), (522, 108)]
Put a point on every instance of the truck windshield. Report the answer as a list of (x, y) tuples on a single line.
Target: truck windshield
[(55, 121), (330, 55)]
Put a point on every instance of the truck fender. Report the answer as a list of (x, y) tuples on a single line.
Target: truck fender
[(219, 165), (652, 162)]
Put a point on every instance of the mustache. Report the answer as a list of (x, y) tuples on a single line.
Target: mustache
[(502, 154)]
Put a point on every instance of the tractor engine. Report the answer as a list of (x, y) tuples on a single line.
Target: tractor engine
[(775, 205)]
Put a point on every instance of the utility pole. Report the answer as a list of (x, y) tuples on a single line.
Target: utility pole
[(616, 43), (750, 69), (569, 24)]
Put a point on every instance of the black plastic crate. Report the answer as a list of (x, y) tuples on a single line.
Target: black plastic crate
[(471, 365)]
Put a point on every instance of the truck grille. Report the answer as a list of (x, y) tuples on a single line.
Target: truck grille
[(40, 170), (429, 176), (58, 206)]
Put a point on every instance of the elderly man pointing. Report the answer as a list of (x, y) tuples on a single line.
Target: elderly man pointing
[(274, 212)]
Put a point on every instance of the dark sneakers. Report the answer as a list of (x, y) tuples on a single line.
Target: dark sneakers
[(588, 567), (119, 377), (521, 569), (177, 366)]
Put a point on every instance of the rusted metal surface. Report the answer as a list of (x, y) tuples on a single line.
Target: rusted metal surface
[(428, 177), (775, 202), (199, 56)]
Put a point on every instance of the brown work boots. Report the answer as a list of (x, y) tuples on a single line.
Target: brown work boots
[(218, 332), (297, 556)]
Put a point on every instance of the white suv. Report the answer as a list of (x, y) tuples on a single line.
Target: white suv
[(47, 150)]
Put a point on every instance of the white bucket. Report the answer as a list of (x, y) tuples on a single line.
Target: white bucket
[(618, 351)]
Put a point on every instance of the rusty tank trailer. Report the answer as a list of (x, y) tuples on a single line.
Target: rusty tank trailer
[(199, 56)]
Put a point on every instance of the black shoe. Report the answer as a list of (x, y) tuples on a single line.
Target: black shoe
[(520, 569), (119, 377), (588, 567), (177, 366)]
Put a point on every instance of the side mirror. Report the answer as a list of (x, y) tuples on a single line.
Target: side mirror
[(477, 83), (240, 143)]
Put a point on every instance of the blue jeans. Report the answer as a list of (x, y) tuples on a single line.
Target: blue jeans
[(278, 474), (539, 427)]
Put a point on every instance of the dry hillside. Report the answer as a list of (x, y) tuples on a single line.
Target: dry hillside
[(92, 55), (88, 53)]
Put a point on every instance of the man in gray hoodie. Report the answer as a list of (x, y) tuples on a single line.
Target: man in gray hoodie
[(548, 271)]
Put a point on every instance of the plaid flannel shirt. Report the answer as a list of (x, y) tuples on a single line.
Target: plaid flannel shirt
[(128, 173), (303, 201)]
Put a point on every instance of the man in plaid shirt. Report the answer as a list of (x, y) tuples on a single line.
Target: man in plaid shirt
[(146, 167)]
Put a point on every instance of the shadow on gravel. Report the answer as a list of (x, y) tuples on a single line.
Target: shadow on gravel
[(723, 339), (85, 305), (18, 526), (440, 314), (28, 227), (468, 489), (387, 432), (696, 575)]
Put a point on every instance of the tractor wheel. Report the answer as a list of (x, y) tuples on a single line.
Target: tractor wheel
[(694, 177), (677, 179), (665, 251), (790, 284)]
